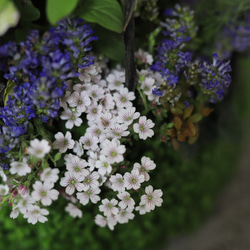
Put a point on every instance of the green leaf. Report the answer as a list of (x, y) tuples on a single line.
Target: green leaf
[(106, 13), (30, 13), (109, 44), (57, 9), (58, 156), (8, 90), (195, 118)]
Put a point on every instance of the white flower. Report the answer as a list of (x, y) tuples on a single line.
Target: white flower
[(15, 212), (77, 165), (44, 193), (63, 142), (90, 194), (25, 203), (4, 190), (141, 208), (73, 210), (147, 85), (72, 181), (146, 165), (108, 102), (116, 80), (50, 175), (72, 117), (103, 165), (126, 116), (78, 149), (144, 57), (103, 221), (124, 216), (126, 201), (117, 182), (79, 100), (94, 112), (151, 198), (64, 100), (39, 148), (89, 141), (95, 92), (109, 207), (20, 168), (113, 150), (133, 179), (124, 98), (91, 181), (36, 214), (143, 128), (119, 130), (3, 175)]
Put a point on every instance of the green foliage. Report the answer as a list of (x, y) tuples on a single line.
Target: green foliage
[(106, 13), (109, 44), (57, 9)]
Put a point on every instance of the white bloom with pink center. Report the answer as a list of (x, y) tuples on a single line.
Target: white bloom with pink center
[(39, 148), (126, 200), (73, 210), (117, 182), (20, 168), (36, 214), (113, 150), (43, 192), (151, 198), (108, 207), (143, 128), (63, 142), (127, 116), (124, 216), (133, 180), (90, 194), (72, 181), (146, 165), (50, 175)]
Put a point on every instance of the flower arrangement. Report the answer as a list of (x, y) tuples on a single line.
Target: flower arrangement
[(70, 119)]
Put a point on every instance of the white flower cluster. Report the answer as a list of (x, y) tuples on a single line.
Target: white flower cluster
[(95, 161)]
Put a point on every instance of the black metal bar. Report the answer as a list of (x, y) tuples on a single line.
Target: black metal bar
[(129, 37)]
